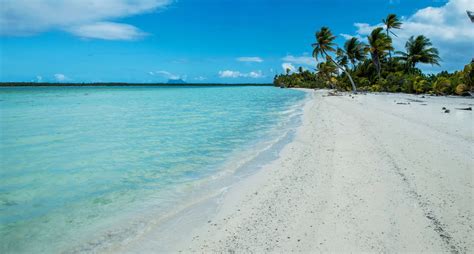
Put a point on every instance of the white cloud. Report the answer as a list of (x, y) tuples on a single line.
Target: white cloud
[(29, 17), (305, 60), (366, 29), (39, 78), (254, 59), (107, 31), (255, 74), (167, 75), (238, 74), (448, 27), (200, 78), (60, 77), (348, 36), (289, 66), (229, 74)]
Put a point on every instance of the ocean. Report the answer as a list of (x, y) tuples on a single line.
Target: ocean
[(82, 167)]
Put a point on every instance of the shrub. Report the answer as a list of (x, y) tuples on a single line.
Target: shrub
[(375, 88), (441, 85), (394, 82), (468, 76), (461, 89), (421, 86)]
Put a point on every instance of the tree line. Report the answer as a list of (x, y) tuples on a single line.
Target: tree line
[(375, 66)]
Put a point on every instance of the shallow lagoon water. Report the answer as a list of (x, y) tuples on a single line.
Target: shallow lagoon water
[(75, 161)]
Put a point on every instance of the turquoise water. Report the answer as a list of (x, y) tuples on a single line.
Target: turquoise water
[(77, 161)]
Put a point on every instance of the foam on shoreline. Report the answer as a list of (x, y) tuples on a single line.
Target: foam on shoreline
[(202, 200), (363, 174)]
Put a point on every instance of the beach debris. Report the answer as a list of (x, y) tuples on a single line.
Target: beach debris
[(334, 94), (446, 110), (469, 108), (403, 103), (415, 100)]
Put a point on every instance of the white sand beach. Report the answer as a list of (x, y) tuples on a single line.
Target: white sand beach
[(365, 173)]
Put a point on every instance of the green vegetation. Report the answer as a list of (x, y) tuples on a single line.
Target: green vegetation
[(375, 67)]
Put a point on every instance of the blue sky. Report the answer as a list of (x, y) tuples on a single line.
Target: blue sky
[(217, 41)]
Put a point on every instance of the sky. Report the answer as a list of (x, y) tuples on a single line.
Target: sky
[(205, 41)]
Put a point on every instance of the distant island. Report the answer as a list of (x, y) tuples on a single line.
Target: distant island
[(176, 81)]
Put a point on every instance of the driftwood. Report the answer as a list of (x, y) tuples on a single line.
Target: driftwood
[(469, 108), (415, 100)]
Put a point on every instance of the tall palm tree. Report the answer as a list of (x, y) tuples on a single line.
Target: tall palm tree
[(379, 44), (355, 50), (324, 44), (392, 22), (419, 50)]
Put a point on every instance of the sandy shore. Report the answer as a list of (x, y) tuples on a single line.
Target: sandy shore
[(377, 173)]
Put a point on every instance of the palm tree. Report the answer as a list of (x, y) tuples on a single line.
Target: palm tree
[(392, 22), (324, 44), (355, 50), (379, 44), (300, 69), (327, 70), (419, 50), (342, 58)]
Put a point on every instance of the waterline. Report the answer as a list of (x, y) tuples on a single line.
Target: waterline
[(78, 162)]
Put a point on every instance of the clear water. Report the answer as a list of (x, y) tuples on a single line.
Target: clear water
[(76, 161)]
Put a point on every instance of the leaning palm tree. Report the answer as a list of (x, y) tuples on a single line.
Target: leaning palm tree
[(325, 44), (419, 50), (355, 50), (392, 22), (379, 44)]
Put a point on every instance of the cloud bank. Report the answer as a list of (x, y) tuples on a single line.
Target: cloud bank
[(85, 18), (238, 74), (59, 77), (254, 59), (447, 26), (300, 60), (167, 75)]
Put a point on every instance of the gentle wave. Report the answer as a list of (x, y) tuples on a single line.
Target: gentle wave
[(77, 163)]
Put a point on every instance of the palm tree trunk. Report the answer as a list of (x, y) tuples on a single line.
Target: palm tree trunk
[(389, 51), (354, 88), (375, 60)]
